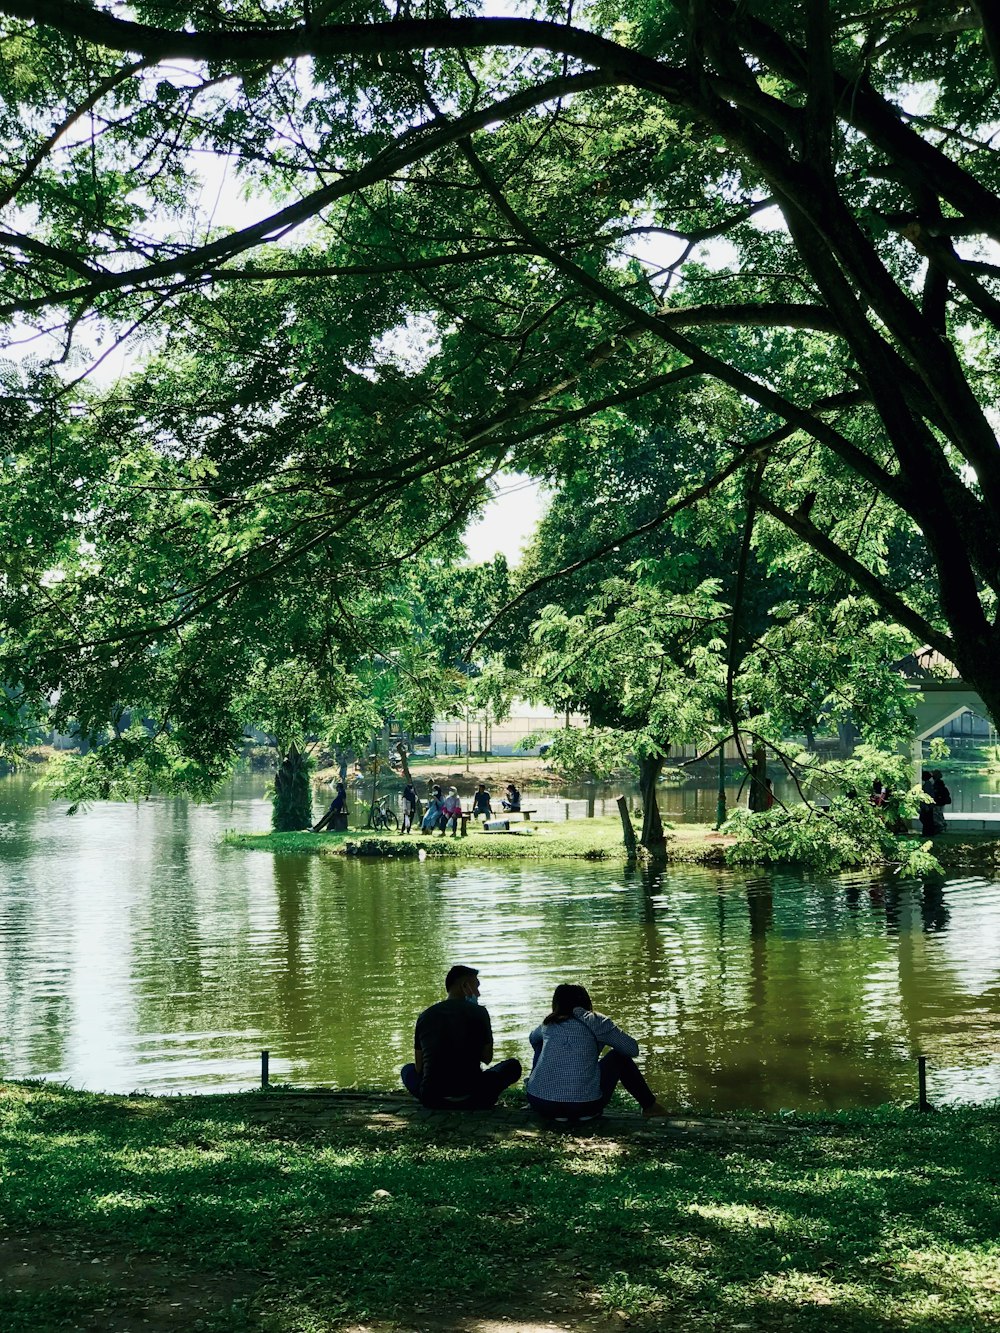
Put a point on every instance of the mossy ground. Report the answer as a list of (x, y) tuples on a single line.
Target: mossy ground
[(169, 1213)]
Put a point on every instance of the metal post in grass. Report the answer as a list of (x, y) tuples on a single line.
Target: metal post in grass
[(922, 1103), (720, 805), (265, 1060)]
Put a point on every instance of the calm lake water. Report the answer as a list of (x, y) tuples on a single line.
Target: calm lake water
[(136, 951)]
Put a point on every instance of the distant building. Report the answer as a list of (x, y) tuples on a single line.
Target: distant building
[(950, 709), (479, 733)]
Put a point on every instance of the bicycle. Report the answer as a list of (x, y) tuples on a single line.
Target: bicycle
[(382, 817)]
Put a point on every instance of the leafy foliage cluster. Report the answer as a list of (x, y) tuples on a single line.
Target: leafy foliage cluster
[(720, 273)]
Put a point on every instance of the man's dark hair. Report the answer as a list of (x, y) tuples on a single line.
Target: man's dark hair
[(459, 973)]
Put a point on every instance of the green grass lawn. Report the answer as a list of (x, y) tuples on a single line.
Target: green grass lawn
[(598, 839), (872, 1221)]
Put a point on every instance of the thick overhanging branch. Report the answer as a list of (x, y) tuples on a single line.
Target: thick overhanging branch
[(892, 486), (234, 48), (861, 106), (761, 314), (989, 20), (872, 584), (812, 196), (854, 280)]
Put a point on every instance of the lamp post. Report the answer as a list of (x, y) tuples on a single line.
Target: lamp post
[(720, 805)]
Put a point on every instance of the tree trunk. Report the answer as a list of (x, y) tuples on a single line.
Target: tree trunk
[(403, 753), (651, 838), (757, 799), (627, 830), (291, 806)]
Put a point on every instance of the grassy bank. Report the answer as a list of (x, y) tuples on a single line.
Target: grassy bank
[(598, 839), (142, 1213)]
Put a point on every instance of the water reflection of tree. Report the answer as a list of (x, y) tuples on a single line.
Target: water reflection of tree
[(943, 1016), (772, 998), (37, 948), (769, 988)]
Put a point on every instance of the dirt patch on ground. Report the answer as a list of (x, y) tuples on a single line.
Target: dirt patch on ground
[(320, 1110), (134, 1293), (123, 1293), (559, 1321)]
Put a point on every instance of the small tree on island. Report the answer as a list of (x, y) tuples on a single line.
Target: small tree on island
[(645, 666)]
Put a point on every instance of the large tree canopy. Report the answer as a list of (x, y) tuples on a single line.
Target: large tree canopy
[(473, 242)]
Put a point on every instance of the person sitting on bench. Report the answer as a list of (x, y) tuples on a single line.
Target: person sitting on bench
[(512, 801), (432, 814), (568, 1081), (481, 805), (453, 1039), (451, 812)]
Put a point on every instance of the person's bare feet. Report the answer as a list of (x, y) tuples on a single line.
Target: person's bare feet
[(648, 1112)]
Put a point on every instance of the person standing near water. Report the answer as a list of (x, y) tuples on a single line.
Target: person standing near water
[(926, 808), (942, 797), (452, 1041), (568, 1081), (409, 808)]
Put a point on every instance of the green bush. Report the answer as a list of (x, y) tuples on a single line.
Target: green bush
[(850, 833)]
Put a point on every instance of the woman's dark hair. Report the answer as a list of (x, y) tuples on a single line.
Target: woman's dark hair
[(565, 999)]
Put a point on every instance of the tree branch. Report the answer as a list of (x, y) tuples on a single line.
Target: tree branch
[(234, 47), (42, 151), (410, 147), (873, 584)]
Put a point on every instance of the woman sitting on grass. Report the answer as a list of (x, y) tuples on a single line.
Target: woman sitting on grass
[(568, 1081)]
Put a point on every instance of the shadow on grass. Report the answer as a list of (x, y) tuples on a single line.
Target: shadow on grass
[(888, 1222)]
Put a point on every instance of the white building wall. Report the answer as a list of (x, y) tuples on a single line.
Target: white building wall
[(459, 735)]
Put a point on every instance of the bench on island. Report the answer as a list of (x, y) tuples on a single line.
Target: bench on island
[(502, 816)]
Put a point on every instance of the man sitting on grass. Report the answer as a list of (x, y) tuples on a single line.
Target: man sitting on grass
[(453, 1039)]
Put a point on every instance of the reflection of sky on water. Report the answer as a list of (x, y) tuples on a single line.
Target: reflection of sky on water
[(137, 951)]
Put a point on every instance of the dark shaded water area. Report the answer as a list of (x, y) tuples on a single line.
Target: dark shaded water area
[(138, 951)]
